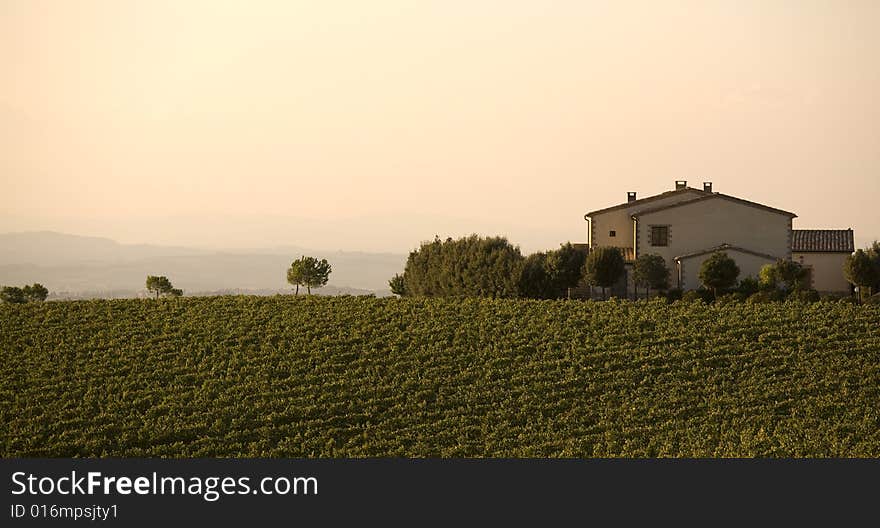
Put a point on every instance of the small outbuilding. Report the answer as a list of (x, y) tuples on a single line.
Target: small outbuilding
[(823, 252), (687, 267)]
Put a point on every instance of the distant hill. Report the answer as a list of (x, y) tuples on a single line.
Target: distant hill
[(74, 266), (48, 248)]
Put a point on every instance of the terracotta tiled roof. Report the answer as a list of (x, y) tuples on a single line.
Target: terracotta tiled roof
[(628, 252), (822, 241)]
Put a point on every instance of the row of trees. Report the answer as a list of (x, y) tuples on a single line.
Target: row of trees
[(719, 273), (488, 267), (605, 266), (305, 271), (492, 267), (32, 293)]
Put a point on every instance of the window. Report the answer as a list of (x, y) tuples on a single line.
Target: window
[(659, 235), (612, 233)]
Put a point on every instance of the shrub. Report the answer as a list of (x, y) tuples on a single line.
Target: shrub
[(701, 294), (473, 266), (806, 296), (731, 298), (766, 296), (759, 298), (785, 274), (691, 296), (675, 294), (749, 286)]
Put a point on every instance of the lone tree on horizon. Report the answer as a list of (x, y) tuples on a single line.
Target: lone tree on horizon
[(35, 292), (160, 285), (309, 272)]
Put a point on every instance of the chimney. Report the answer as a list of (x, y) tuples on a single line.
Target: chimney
[(680, 184), (707, 186), (630, 197)]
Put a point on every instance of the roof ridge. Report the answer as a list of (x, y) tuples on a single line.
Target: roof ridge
[(722, 247), (646, 199), (825, 229), (715, 195)]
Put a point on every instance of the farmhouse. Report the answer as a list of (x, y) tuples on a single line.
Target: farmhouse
[(686, 225)]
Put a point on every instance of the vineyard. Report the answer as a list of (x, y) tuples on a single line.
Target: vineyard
[(303, 376)]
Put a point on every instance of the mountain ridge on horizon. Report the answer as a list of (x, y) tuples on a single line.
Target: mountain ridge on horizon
[(88, 265)]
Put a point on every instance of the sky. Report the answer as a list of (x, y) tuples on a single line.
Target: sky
[(375, 125)]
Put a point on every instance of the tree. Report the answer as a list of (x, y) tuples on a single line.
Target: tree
[(860, 270), (874, 253), (565, 267), (719, 272), (160, 285), (296, 274), (472, 266), (549, 275), (397, 285), (603, 267), (13, 295), (32, 293), (36, 292), (784, 273), (651, 272), (534, 278), (768, 278), (309, 272), (175, 292), (749, 286)]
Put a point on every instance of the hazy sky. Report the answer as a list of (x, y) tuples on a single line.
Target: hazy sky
[(373, 125)]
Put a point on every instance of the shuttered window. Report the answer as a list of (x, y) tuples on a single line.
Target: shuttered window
[(659, 235)]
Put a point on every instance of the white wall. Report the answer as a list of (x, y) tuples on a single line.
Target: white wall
[(709, 223), (688, 270), (827, 270), (620, 220)]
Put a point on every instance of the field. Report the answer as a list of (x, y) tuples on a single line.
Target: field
[(361, 377)]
